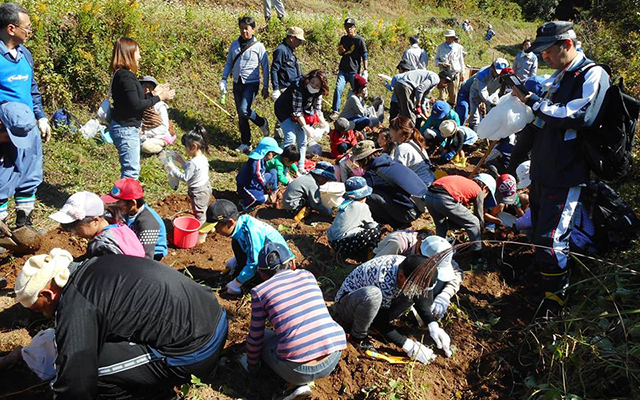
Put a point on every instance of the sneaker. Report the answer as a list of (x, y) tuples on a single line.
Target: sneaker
[(265, 128), (243, 148), (334, 116), (295, 393), (23, 219)]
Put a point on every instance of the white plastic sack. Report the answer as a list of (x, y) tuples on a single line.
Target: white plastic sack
[(91, 129), (40, 355), (166, 158), (509, 116), (331, 194)]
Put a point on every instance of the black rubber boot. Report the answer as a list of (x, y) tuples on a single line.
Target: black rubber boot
[(23, 219)]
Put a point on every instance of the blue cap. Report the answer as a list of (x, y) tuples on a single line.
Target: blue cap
[(265, 146), (534, 84), (440, 109), (325, 170), (273, 255), (356, 188), (20, 122)]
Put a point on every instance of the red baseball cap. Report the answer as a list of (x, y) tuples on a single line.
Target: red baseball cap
[(124, 189)]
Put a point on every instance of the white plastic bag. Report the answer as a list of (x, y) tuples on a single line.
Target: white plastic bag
[(166, 158), (40, 355), (509, 116), (91, 129), (331, 194)]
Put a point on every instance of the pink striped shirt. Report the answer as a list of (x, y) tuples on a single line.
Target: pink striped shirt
[(295, 307)]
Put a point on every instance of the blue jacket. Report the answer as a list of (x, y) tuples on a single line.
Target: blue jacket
[(251, 175), (38, 110), (403, 177), (251, 234), (285, 68)]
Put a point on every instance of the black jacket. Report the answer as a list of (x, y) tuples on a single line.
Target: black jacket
[(116, 298), (129, 101)]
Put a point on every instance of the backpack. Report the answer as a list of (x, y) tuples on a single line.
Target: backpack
[(615, 224), (62, 118), (608, 143)]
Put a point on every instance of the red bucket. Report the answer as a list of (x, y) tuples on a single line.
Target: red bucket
[(185, 232)]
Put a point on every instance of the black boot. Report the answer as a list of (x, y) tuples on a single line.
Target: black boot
[(23, 219)]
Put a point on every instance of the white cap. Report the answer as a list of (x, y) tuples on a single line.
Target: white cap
[(79, 206), (38, 271), (489, 182), (449, 33), (522, 172), (433, 245)]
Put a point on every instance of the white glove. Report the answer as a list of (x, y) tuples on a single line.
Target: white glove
[(308, 130), (440, 337), (223, 86), (418, 351), (45, 129), (365, 75), (234, 287), (275, 94), (232, 263), (440, 305)]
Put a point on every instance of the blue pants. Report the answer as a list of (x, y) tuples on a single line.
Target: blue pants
[(361, 122), (254, 194), (341, 82), (20, 174), (462, 106), (127, 142), (294, 134), (243, 95)]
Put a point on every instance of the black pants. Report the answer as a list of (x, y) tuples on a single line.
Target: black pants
[(386, 211), (132, 371), (523, 146), (240, 255)]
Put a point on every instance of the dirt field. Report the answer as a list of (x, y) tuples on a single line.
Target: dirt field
[(485, 323)]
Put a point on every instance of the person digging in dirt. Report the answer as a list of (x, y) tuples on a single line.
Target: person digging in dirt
[(307, 345), (446, 199), (84, 214), (408, 242), (109, 338), (248, 235), (353, 231), (371, 297), (128, 195), (304, 191), (21, 168), (254, 183), (285, 164)]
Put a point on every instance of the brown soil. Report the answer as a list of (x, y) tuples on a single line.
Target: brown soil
[(484, 322)]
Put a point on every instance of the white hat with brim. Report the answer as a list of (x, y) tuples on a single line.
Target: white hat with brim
[(449, 33), (524, 177), (433, 245), (79, 206)]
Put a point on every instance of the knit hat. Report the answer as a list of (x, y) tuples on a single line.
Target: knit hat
[(342, 124), (38, 271), (506, 189), (356, 188), (448, 128), (433, 245), (124, 189), (524, 178), (359, 82), (20, 123), (440, 109), (363, 149), (79, 206)]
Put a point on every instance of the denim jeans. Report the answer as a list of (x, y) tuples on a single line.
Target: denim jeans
[(462, 106), (341, 82), (243, 95), (294, 134), (296, 373), (127, 142)]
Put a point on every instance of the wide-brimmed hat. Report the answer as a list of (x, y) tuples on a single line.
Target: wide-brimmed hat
[(489, 182), (449, 33), (356, 188), (433, 245), (296, 32), (448, 128), (550, 33), (363, 149)]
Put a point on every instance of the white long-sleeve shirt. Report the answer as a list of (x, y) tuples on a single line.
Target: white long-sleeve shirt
[(196, 171)]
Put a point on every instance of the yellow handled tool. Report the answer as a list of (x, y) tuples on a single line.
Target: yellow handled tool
[(388, 358)]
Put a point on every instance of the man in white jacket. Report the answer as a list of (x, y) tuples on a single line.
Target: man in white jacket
[(450, 57)]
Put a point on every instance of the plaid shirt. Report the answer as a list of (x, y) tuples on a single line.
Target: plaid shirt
[(300, 107)]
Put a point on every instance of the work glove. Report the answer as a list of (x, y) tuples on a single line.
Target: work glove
[(45, 129), (235, 288), (223, 86), (275, 94), (244, 362), (440, 305), (308, 131), (417, 351), (440, 337), (231, 265), (365, 75)]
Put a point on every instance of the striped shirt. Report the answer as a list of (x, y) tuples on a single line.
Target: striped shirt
[(295, 307)]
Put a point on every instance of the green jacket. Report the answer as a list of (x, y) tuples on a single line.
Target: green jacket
[(276, 163)]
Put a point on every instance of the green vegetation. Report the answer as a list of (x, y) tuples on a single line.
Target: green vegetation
[(591, 351)]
